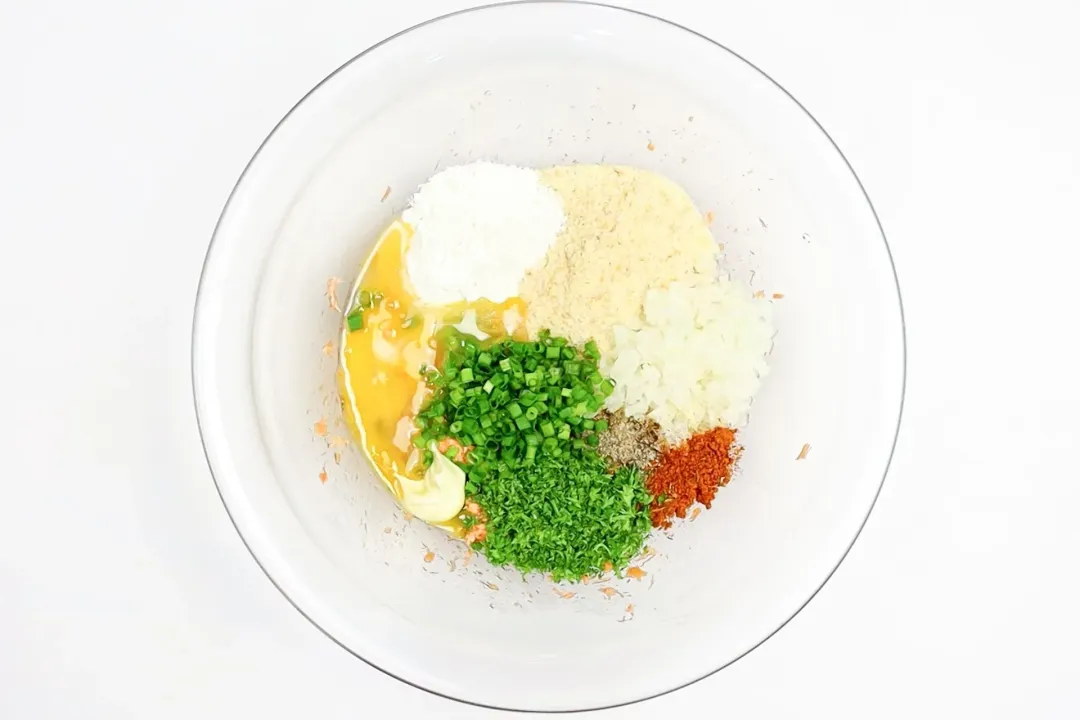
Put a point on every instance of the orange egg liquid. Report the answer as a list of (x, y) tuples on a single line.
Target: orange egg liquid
[(380, 380)]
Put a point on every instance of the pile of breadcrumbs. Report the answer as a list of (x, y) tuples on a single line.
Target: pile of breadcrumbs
[(626, 231)]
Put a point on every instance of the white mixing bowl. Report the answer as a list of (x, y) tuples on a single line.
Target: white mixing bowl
[(539, 84)]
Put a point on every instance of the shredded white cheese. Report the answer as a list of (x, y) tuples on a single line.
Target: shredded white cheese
[(477, 229)]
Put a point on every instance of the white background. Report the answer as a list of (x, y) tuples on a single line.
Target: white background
[(124, 590)]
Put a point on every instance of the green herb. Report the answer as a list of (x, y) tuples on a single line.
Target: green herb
[(525, 411), (505, 395), (355, 320), (565, 515)]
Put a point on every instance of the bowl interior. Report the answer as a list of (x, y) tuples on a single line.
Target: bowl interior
[(542, 84)]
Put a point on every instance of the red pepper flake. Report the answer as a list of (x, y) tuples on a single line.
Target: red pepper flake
[(328, 348), (804, 452), (323, 476), (609, 592), (320, 427), (778, 296), (651, 146), (636, 573), (694, 515), (691, 473), (429, 556), (709, 217), (564, 595)]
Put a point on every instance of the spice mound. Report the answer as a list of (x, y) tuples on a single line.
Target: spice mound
[(691, 473), (629, 441)]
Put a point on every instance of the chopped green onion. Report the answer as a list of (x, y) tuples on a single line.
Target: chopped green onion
[(503, 398), (601, 426), (355, 320)]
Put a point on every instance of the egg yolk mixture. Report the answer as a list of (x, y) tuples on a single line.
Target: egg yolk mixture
[(381, 361)]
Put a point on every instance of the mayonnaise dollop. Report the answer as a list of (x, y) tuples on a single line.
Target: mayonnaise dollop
[(439, 495)]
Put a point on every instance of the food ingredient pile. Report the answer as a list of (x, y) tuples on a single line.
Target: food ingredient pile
[(551, 363)]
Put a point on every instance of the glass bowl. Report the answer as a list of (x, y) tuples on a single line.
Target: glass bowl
[(537, 84)]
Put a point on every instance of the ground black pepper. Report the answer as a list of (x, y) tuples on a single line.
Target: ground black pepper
[(629, 441)]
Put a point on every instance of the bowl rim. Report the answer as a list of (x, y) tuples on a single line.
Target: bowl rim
[(479, 10)]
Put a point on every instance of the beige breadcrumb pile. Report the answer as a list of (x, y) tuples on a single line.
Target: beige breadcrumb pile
[(626, 230)]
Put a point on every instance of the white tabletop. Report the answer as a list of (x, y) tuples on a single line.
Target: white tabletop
[(124, 590)]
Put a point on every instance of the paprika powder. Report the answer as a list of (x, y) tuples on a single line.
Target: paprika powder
[(691, 473)]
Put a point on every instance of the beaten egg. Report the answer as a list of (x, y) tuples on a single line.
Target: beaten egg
[(380, 374)]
